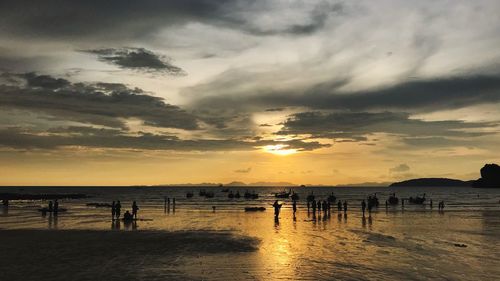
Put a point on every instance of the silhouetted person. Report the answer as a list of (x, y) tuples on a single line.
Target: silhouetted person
[(56, 207), (319, 206), (51, 206), (135, 208), (402, 203), (363, 207), (339, 206), (277, 208), (345, 206), (308, 206), (294, 206), (313, 204), (386, 204), (173, 204), (128, 217), (113, 210), (118, 208), (324, 207), (430, 203)]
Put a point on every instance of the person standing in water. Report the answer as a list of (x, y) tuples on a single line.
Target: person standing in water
[(294, 206), (113, 210), (277, 208), (363, 207), (56, 207), (345, 206), (134, 210), (118, 208), (339, 206)]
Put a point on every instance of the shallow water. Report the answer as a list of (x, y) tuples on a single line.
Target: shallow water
[(410, 243)]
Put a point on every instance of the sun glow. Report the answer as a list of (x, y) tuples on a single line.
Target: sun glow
[(279, 149)]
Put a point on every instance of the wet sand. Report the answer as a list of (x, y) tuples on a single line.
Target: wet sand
[(112, 255)]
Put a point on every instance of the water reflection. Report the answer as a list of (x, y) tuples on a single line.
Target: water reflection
[(52, 221)]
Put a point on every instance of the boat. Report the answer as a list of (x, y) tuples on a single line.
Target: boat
[(46, 210), (295, 196), (283, 194), (189, 194), (99, 205), (251, 195), (332, 198), (393, 200), (417, 200), (254, 209)]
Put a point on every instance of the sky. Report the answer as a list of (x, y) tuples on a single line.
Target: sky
[(190, 91)]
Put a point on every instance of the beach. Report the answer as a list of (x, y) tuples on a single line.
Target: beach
[(194, 242)]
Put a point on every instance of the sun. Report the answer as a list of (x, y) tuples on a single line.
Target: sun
[(279, 149)]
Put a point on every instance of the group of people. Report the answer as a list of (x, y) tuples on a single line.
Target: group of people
[(53, 207), (127, 216), (441, 205), (166, 204)]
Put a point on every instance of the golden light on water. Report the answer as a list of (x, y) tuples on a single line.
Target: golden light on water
[(279, 149)]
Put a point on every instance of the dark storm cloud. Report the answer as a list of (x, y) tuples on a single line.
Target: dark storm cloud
[(114, 19), (101, 103), (106, 19), (411, 96), (19, 138), (137, 59), (356, 125)]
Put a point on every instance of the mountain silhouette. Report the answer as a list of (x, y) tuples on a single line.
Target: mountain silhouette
[(490, 176)]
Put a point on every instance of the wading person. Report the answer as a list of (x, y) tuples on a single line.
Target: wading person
[(113, 210), (294, 206), (56, 207), (134, 210), (118, 208), (339, 206), (345, 207), (363, 207), (277, 208)]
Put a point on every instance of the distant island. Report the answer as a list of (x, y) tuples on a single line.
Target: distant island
[(490, 178), (431, 182)]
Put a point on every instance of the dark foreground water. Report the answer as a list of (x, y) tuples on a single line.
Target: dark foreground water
[(195, 243)]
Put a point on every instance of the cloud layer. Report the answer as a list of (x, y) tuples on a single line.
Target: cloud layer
[(136, 59)]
